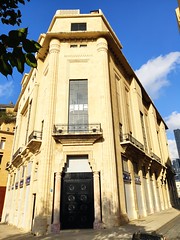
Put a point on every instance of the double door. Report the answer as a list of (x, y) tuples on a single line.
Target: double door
[(77, 201)]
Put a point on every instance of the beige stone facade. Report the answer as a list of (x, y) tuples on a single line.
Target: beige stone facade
[(6, 142), (90, 147), (178, 13)]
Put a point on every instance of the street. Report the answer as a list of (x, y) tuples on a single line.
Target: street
[(171, 230)]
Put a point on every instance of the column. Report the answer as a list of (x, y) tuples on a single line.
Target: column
[(45, 171), (110, 194), (56, 210), (97, 208)]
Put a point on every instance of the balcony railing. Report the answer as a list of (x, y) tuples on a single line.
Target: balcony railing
[(18, 152), (77, 133), (35, 135), (154, 156), (34, 141), (77, 128), (129, 138), (16, 158)]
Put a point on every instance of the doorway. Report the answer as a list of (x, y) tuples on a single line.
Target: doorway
[(77, 195)]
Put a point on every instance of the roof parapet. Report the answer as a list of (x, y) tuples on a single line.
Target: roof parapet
[(67, 12)]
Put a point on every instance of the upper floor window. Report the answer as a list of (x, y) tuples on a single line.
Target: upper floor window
[(125, 164), (78, 104), (2, 143), (135, 167), (78, 26), (1, 156)]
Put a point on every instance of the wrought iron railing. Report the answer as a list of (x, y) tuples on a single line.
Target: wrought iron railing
[(128, 137), (35, 135), (60, 129), (154, 156), (17, 153)]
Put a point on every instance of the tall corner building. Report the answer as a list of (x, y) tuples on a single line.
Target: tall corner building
[(7, 124), (90, 147)]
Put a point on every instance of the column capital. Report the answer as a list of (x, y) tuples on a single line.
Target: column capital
[(54, 46), (58, 174), (102, 44), (96, 173)]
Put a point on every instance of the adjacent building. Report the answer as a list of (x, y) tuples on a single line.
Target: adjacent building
[(177, 138), (176, 166), (90, 148), (7, 124)]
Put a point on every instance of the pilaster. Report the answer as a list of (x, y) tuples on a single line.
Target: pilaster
[(45, 174), (109, 174), (97, 208), (56, 210)]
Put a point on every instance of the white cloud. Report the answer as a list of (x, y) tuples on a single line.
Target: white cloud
[(154, 73), (6, 89), (172, 149), (173, 121)]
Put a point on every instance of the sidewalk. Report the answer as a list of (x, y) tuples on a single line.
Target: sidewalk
[(149, 224)]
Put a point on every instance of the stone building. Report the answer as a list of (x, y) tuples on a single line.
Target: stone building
[(90, 147), (178, 13), (7, 123)]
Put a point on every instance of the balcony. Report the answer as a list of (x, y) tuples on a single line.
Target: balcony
[(34, 141), (76, 134), (16, 158), (131, 145), (155, 157)]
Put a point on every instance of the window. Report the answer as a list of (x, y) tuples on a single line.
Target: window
[(1, 156), (83, 45), (125, 164), (42, 127), (144, 171), (73, 46), (23, 171), (77, 164), (121, 132), (143, 131), (135, 167), (127, 111), (29, 168), (78, 105), (78, 26), (2, 143)]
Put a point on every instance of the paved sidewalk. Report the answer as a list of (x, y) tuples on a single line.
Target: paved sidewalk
[(151, 223)]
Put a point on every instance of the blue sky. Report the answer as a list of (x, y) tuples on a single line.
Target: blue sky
[(150, 38)]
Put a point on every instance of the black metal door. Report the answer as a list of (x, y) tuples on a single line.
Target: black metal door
[(77, 201)]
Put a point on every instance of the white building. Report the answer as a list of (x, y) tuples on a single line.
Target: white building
[(90, 147)]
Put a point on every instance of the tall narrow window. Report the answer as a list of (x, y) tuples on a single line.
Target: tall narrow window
[(28, 120), (1, 156), (143, 131), (135, 167), (2, 143), (78, 105), (125, 164), (42, 127), (128, 111), (121, 132)]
